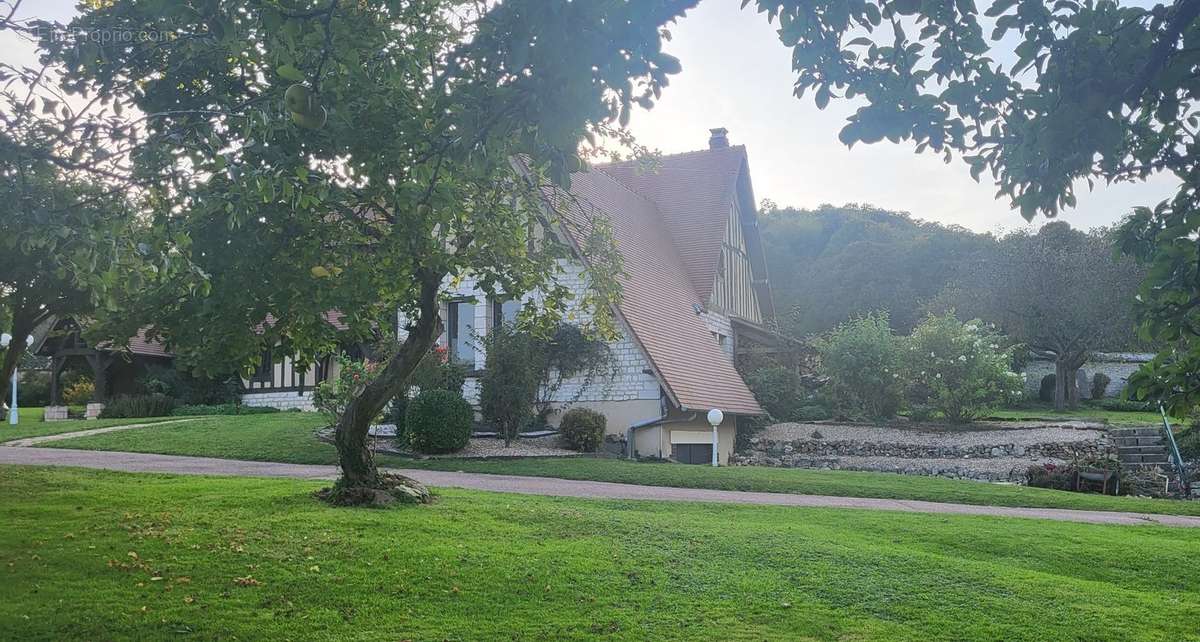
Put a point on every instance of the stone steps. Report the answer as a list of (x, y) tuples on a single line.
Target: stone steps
[(1140, 447)]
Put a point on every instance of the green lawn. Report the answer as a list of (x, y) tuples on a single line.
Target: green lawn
[(31, 424), (288, 437), (280, 436), (101, 555), (1113, 417)]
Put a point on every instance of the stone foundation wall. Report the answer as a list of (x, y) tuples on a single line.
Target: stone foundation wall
[(280, 400)]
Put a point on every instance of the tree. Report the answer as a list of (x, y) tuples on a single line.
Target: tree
[(1059, 291), (66, 248), (324, 156), (1041, 95), (828, 281)]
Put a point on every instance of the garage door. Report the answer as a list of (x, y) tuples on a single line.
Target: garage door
[(692, 453)]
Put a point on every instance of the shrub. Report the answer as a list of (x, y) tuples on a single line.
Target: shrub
[(779, 391), (1050, 476), (79, 393), (221, 409), (435, 372), (568, 353), (136, 406), (1126, 405), (34, 389), (187, 389), (861, 359), (920, 412), (438, 421), (1100, 383), (812, 413), (583, 429), (509, 383), (1046, 388), (958, 369), (1062, 476), (438, 372), (1189, 443)]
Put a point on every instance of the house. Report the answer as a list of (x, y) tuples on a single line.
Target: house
[(695, 295), (696, 292)]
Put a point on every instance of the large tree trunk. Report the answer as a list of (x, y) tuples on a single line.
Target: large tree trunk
[(1060, 384), (350, 438), (1066, 365)]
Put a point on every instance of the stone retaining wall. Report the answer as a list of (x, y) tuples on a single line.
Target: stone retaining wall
[(994, 456), (1098, 448)]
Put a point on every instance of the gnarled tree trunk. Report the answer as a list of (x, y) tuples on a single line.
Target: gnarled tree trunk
[(1066, 393), (350, 438)]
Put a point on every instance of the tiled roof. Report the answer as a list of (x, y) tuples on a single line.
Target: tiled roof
[(659, 302), (335, 318), (139, 344), (694, 192)]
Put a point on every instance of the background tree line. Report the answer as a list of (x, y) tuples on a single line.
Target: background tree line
[(1060, 291)]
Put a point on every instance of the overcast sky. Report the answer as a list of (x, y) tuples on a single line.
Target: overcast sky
[(737, 75)]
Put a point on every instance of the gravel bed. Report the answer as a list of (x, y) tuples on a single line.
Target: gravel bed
[(382, 438), (1028, 435), (526, 447)]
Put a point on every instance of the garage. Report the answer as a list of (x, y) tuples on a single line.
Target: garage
[(691, 446)]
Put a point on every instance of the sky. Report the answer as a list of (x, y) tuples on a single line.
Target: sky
[(737, 75)]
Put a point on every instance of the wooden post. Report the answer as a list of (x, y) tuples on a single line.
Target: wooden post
[(56, 367), (100, 363)]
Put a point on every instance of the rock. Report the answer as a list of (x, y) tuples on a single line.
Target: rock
[(392, 489)]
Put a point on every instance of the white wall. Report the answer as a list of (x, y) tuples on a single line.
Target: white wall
[(1118, 367)]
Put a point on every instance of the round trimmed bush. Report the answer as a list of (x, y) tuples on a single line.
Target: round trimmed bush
[(438, 421), (1046, 390), (583, 429)]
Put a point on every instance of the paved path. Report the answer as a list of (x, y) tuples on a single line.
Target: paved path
[(142, 462), (41, 439)]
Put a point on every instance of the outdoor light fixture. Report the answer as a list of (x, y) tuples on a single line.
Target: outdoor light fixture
[(715, 417), (5, 341)]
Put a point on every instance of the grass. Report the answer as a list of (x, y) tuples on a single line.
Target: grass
[(31, 424), (1111, 417), (288, 437), (102, 555)]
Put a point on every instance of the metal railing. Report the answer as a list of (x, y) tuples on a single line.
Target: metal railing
[(1175, 456)]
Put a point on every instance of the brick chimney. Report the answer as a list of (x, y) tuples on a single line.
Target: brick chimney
[(719, 138)]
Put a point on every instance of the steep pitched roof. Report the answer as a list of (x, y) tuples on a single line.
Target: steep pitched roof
[(55, 327), (659, 302), (694, 192)]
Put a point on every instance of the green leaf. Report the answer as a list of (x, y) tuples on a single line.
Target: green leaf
[(289, 72)]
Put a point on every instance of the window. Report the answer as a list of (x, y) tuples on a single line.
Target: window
[(461, 331), (263, 372), (504, 312)]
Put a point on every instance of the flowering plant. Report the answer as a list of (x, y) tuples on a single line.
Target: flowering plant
[(958, 369), (333, 395)]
